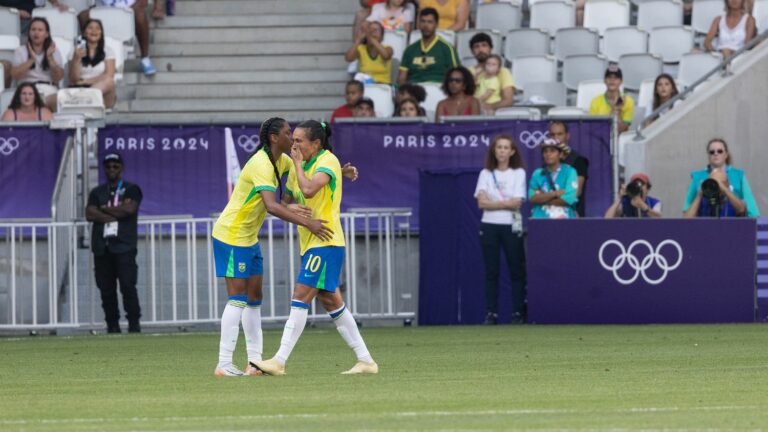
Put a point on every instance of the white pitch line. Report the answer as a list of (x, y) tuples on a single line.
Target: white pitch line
[(637, 410)]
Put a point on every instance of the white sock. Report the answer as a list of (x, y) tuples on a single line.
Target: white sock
[(292, 332), (145, 60), (254, 342), (230, 328), (347, 327)]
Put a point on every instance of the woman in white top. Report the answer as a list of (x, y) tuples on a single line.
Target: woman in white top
[(733, 30), (500, 192), (93, 63), (393, 15), (39, 62)]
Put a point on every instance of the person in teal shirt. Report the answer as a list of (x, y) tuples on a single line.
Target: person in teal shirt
[(553, 188), (735, 198)]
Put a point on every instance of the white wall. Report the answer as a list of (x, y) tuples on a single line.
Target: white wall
[(734, 108)]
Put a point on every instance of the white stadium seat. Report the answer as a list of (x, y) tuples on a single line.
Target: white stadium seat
[(554, 93), (10, 23), (463, 37), (5, 99), (526, 42), (704, 12), (602, 14), (63, 24), (670, 43), (760, 12), (575, 41), (381, 95), (447, 35), (9, 42), (500, 16), (618, 41), (434, 96), (566, 112), (578, 68), (528, 69), (397, 40), (469, 62), (638, 67), (119, 49), (552, 15), (645, 95), (659, 13), (2, 78), (65, 46), (695, 65), (118, 23), (80, 5), (587, 91), (518, 112)]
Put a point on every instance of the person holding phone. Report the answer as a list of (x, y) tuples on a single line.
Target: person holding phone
[(614, 102), (93, 63)]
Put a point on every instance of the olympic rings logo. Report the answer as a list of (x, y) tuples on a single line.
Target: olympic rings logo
[(532, 139), (8, 145), (248, 142), (640, 266)]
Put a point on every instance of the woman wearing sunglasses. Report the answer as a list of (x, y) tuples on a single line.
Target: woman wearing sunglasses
[(735, 196), (459, 86)]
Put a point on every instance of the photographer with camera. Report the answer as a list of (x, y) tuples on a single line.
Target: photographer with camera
[(633, 200), (720, 190)]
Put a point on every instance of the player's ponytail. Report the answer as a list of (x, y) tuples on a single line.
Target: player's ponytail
[(271, 126), (318, 131)]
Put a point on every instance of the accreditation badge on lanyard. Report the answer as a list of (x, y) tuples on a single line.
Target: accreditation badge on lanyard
[(517, 220), (110, 229)]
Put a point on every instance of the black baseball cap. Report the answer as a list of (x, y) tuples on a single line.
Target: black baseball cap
[(112, 157), (614, 70), (365, 101)]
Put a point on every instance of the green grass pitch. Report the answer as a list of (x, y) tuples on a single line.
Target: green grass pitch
[(432, 378)]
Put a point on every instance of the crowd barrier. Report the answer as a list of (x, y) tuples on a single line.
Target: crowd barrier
[(46, 272)]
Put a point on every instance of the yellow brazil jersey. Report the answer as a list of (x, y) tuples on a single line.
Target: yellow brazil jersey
[(325, 205), (240, 222)]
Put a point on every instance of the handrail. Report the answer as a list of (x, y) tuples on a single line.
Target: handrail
[(60, 176), (723, 65)]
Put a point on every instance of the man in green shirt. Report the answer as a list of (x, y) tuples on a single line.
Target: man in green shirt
[(430, 58)]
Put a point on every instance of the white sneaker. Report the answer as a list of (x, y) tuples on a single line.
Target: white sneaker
[(270, 367), (362, 367), (228, 371)]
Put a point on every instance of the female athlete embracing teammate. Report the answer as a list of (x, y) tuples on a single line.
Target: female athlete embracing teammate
[(316, 182), (236, 243)]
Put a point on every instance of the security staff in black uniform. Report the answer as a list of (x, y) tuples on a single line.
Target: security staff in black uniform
[(113, 208)]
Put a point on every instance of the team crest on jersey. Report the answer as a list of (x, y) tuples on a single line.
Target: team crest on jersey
[(241, 267)]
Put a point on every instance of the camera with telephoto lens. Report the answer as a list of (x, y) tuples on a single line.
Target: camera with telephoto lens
[(634, 189), (710, 189)]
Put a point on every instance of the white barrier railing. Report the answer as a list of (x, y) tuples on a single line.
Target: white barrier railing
[(46, 275)]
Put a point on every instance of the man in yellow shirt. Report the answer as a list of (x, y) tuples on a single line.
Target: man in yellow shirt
[(498, 79), (613, 101)]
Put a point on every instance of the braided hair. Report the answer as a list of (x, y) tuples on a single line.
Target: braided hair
[(318, 130), (271, 126)]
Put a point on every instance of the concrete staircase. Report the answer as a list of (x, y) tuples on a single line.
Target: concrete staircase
[(243, 60)]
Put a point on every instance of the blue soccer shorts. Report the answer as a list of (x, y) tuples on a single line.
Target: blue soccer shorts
[(239, 262), (321, 267)]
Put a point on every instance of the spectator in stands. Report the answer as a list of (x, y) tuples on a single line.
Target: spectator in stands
[(411, 91), (454, 14), (375, 58), (459, 86), (394, 15), (142, 26), (93, 63), (494, 81), (500, 193), (633, 200), (552, 189), (409, 108), (733, 30), (428, 59), (27, 105), (365, 108), (39, 62), (360, 23), (664, 89), (720, 190), (113, 208), (354, 91), (558, 130), (614, 102)]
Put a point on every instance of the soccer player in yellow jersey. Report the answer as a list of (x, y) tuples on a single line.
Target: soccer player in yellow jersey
[(316, 182), (236, 244)]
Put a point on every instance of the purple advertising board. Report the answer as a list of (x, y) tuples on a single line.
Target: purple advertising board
[(631, 271), (183, 170), (29, 163)]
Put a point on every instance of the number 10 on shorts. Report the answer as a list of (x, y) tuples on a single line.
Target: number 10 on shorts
[(313, 263)]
